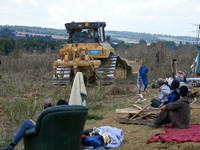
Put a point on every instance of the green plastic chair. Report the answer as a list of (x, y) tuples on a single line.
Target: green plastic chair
[(57, 128)]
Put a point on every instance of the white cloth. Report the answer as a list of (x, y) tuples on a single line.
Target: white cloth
[(78, 92)]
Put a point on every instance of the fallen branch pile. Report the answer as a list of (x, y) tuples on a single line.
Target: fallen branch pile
[(137, 115)]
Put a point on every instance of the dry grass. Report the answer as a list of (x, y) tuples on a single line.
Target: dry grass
[(27, 79), (162, 68)]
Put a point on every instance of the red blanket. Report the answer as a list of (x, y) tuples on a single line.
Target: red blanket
[(192, 133)]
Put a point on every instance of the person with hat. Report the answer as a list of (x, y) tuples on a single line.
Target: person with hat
[(177, 113), (27, 124), (164, 91)]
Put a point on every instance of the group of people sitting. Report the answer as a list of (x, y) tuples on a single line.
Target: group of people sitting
[(28, 124), (173, 105)]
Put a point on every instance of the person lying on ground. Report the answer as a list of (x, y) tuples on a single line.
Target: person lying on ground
[(27, 124), (176, 113), (174, 95), (164, 91)]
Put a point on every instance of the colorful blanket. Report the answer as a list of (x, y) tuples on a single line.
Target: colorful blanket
[(116, 135), (192, 133)]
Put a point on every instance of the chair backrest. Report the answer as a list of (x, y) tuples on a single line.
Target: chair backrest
[(59, 127)]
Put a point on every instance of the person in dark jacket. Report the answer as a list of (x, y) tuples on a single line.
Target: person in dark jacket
[(176, 113), (174, 95)]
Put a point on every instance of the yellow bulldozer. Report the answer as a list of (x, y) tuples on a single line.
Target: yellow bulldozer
[(88, 51)]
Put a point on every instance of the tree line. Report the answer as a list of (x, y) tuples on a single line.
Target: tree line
[(114, 34), (8, 42)]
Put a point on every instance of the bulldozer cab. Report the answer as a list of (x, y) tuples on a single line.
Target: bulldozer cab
[(92, 32)]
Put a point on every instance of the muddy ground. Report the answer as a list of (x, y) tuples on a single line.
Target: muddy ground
[(135, 136)]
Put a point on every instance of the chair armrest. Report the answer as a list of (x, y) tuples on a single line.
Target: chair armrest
[(30, 132)]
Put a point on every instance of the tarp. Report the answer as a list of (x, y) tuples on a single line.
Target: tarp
[(78, 92), (198, 60), (192, 133)]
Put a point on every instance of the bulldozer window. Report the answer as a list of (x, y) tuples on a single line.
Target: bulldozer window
[(83, 35)]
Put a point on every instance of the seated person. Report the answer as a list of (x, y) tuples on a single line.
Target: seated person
[(180, 76), (90, 35), (62, 102), (164, 91), (177, 113), (174, 95), (27, 124)]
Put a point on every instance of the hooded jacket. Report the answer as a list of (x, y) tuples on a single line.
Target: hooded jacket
[(181, 112), (164, 92), (143, 75)]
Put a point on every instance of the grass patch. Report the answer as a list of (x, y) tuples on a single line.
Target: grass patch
[(95, 107), (5, 140), (94, 116)]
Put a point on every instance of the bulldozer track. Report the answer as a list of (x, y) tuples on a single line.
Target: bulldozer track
[(63, 78), (108, 68), (106, 71)]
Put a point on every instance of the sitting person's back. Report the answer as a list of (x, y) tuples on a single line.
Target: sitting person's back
[(177, 113), (180, 110)]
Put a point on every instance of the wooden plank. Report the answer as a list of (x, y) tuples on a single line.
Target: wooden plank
[(128, 111), (125, 117), (134, 111), (140, 111), (131, 121)]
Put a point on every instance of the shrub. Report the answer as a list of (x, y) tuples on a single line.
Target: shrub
[(19, 109)]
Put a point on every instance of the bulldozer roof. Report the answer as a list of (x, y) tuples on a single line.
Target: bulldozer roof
[(75, 25)]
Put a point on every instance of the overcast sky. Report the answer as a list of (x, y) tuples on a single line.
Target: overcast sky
[(175, 17)]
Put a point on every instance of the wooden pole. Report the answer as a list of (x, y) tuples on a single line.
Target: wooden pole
[(137, 107), (194, 66), (140, 111)]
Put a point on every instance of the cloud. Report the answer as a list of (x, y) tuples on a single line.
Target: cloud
[(56, 10), (167, 16), (35, 2), (19, 1)]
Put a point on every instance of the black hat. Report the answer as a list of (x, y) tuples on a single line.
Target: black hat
[(183, 90), (175, 84), (62, 102)]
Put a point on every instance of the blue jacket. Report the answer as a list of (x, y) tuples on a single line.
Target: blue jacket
[(143, 74)]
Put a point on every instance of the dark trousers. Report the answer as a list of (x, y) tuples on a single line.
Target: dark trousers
[(155, 103), (164, 118)]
